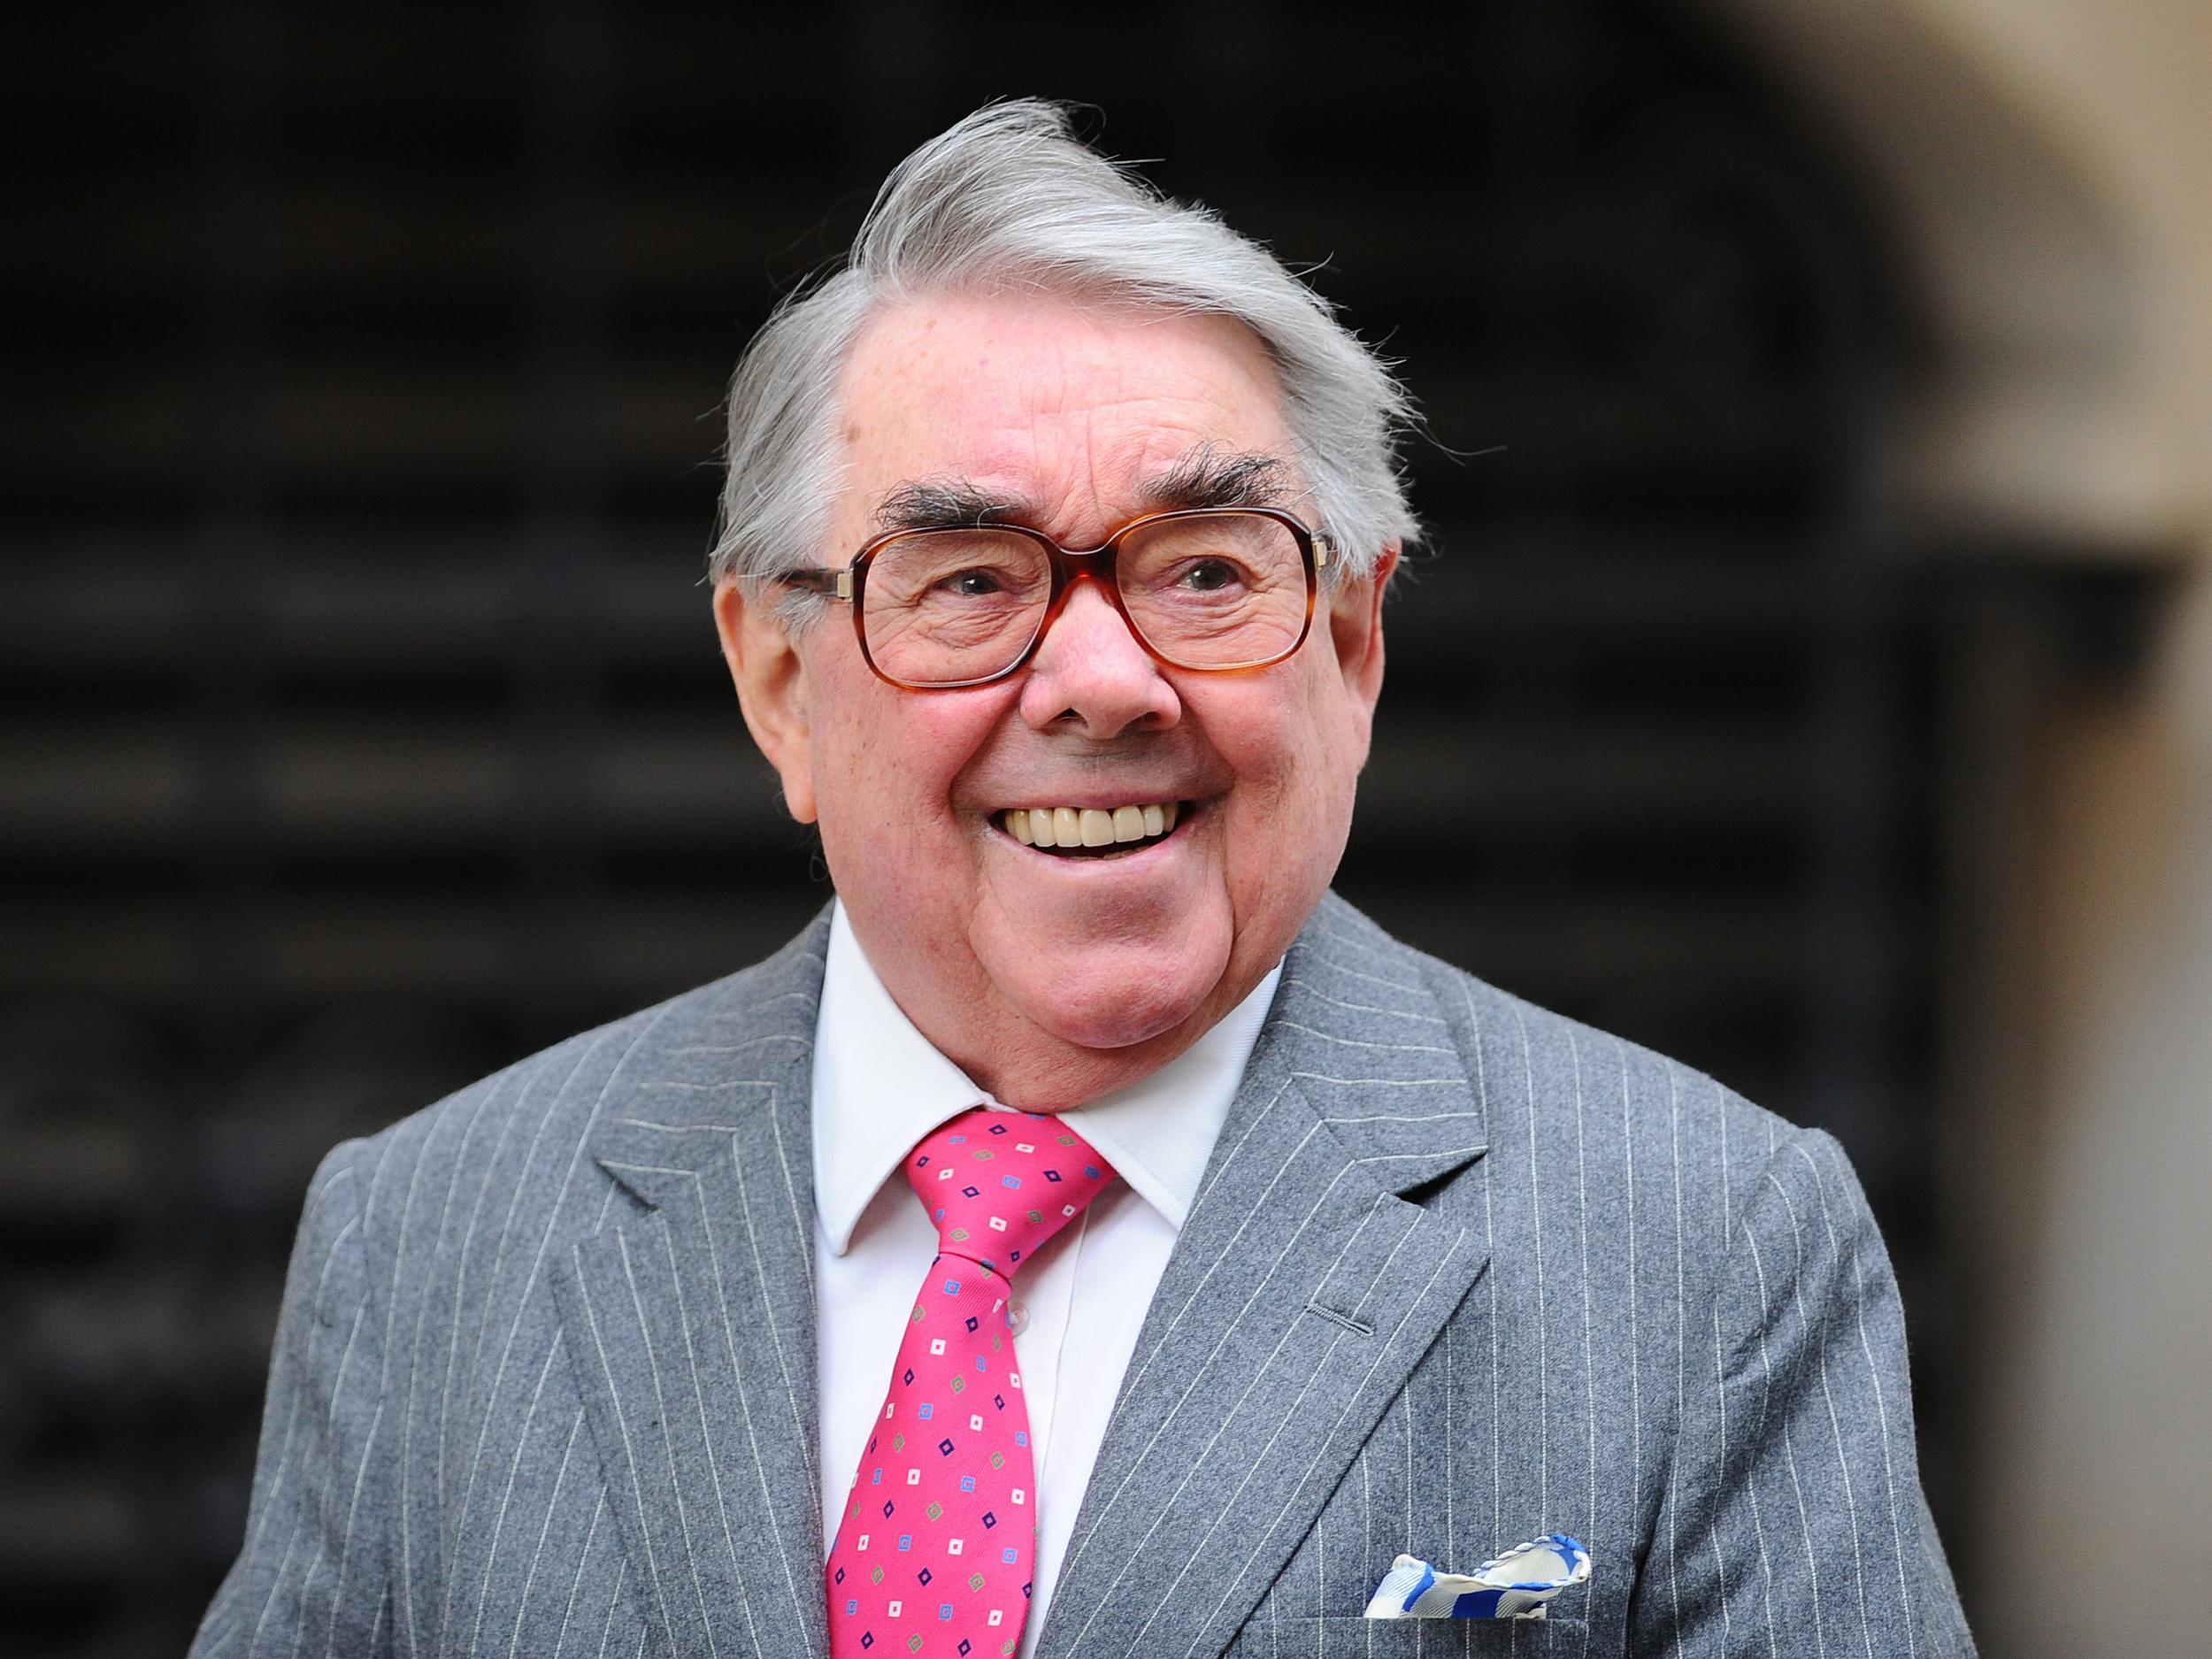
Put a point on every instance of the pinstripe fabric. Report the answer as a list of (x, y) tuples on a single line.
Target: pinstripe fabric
[(1460, 1273)]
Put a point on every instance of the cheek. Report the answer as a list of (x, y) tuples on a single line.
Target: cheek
[(1301, 752), (897, 851), (1291, 814), (1292, 803), (894, 760)]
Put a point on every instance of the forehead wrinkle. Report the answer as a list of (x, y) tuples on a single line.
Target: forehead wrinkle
[(1070, 453)]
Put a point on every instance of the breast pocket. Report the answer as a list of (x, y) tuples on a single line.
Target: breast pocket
[(1340, 1638)]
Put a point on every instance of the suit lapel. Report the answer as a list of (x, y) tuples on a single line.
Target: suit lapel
[(690, 1325), (1302, 1292)]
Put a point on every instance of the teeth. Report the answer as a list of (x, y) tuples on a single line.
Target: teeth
[(1088, 827)]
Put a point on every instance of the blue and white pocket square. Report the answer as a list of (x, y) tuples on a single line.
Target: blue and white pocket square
[(1515, 1585)]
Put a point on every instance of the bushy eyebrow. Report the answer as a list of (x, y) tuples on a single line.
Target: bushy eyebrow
[(1205, 476), (1209, 476), (933, 503)]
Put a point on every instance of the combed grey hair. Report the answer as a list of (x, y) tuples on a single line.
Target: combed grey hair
[(1009, 200)]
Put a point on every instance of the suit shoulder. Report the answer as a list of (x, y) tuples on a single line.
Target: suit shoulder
[(1540, 1074), (551, 1099)]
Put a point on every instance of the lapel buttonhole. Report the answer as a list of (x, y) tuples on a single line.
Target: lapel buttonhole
[(1357, 1327)]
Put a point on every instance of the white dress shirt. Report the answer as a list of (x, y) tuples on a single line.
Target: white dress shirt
[(879, 1088)]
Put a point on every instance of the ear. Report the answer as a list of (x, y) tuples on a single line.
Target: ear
[(771, 680), (1356, 629)]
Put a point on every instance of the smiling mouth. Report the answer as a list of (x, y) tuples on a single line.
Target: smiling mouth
[(1091, 832)]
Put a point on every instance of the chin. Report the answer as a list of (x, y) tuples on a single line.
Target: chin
[(1118, 1004), (1113, 1023)]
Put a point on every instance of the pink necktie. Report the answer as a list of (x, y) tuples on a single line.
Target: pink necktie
[(936, 1551)]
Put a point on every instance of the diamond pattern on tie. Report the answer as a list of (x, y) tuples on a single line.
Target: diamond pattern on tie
[(936, 1549)]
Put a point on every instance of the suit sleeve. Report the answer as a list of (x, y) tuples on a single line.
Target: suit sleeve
[(1794, 1521), (310, 1576)]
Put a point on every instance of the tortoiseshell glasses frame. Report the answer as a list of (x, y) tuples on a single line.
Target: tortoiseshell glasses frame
[(1069, 566)]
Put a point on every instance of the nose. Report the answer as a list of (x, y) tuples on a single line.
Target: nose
[(1090, 676)]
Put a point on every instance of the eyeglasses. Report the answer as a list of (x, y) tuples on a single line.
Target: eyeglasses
[(1211, 589)]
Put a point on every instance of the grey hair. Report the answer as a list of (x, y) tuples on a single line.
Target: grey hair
[(1009, 200)]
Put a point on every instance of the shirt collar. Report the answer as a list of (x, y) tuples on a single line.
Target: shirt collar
[(880, 1085)]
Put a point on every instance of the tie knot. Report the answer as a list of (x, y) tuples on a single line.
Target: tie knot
[(999, 1184)]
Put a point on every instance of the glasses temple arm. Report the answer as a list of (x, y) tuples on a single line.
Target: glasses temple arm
[(829, 584)]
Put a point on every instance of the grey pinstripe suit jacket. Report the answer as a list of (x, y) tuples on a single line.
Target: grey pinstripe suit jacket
[(1460, 1273)]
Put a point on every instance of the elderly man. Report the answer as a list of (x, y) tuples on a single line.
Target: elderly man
[(1089, 1237)]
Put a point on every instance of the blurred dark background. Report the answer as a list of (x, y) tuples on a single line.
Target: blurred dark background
[(362, 725)]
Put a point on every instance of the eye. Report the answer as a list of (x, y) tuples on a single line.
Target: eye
[(973, 583), (1208, 575)]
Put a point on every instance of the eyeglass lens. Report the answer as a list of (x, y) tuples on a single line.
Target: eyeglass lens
[(1217, 590)]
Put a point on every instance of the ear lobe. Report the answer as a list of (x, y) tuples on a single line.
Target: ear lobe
[(771, 681)]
